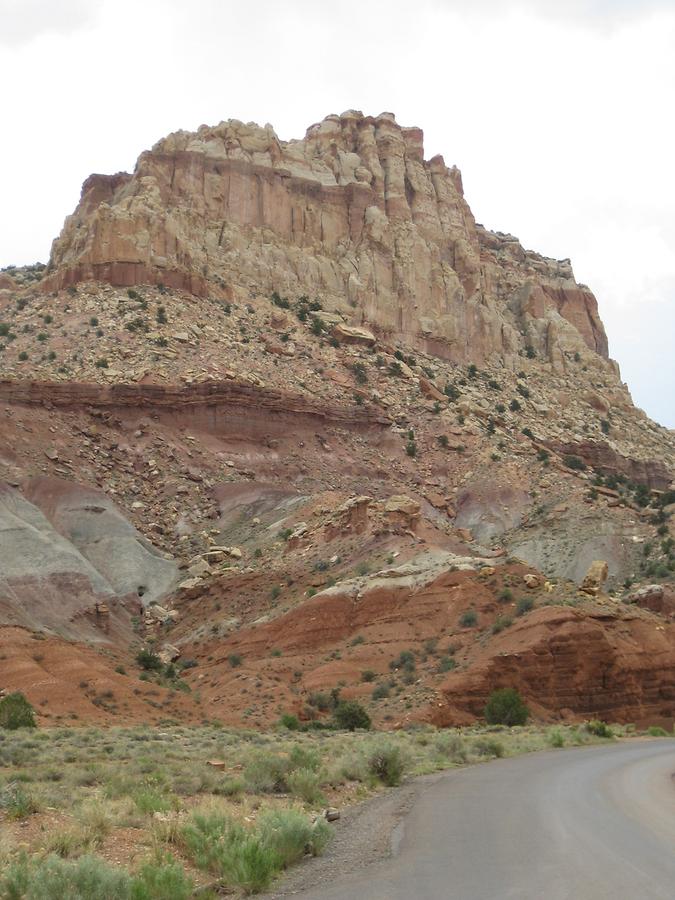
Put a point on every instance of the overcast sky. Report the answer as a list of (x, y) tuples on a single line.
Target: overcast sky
[(560, 114)]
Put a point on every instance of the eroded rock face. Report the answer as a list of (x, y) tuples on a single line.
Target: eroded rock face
[(69, 558), (353, 214), (615, 666)]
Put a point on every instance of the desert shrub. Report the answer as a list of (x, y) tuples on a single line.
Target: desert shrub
[(488, 747), (165, 879), (573, 462), (556, 739), (68, 842), (452, 746), (506, 707), (230, 787), (405, 660), (16, 712), (288, 720), (149, 800), (524, 605), (149, 661), (87, 878), (386, 762), (598, 728), (290, 835), (447, 664), (320, 700), (217, 844), (500, 623), (381, 691), (266, 773), (350, 715), (234, 660), (514, 406), (506, 596), (468, 619), (360, 373), (16, 802), (657, 731), (368, 675), (305, 784)]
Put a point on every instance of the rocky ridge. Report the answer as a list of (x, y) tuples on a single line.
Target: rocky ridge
[(353, 213)]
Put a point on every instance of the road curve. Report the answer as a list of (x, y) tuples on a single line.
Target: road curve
[(586, 824)]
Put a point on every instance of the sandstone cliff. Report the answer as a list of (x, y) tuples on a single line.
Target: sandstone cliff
[(352, 214)]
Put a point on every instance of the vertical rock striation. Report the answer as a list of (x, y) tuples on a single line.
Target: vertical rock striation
[(353, 214)]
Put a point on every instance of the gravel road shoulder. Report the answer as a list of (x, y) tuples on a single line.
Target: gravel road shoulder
[(363, 836)]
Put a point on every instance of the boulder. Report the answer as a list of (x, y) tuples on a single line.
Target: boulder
[(595, 578), (353, 334)]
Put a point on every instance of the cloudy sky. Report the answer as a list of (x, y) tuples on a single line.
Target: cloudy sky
[(559, 113)]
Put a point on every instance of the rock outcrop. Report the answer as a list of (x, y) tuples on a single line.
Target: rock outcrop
[(69, 556), (353, 213)]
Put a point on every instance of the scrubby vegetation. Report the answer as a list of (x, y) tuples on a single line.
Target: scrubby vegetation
[(506, 707), (210, 810), (16, 712)]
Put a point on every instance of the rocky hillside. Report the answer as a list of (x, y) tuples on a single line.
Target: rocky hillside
[(284, 412)]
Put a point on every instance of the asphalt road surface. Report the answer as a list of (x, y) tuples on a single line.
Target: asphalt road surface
[(584, 824)]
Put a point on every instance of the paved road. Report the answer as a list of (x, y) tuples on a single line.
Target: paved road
[(588, 824)]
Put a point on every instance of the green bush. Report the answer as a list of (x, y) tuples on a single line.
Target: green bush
[(468, 619), (290, 835), (288, 720), (217, 844), (16, 712), (524, 605), (447, 664), (386, 762), (266, 773), (381, 691), (16, 802), (599, 728), (350, 715), (657, 731), (452, 746), (574, 462), (500, 623), (405, 660), (488, 747), (556, 739), (162, 880), (87, 878), (305, 784), (149, 661), (506, 707)]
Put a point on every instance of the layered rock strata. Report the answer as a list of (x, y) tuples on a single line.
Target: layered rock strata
[(353, 214)]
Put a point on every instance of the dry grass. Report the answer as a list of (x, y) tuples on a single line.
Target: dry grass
[(127, 794)]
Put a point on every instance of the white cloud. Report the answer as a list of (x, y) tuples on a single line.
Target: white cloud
[(23, 20), (559, 115)]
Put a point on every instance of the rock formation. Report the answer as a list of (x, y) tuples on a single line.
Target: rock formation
[(352, 214), (287, 402)]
